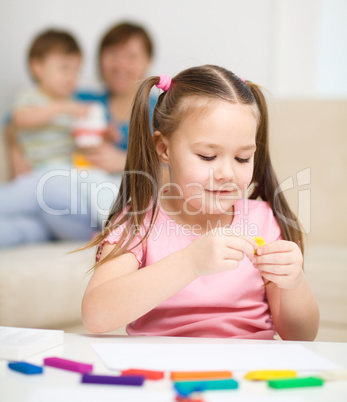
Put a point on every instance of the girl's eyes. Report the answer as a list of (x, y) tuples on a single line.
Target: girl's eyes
[(206, 158), (242, 160), (210, 158)]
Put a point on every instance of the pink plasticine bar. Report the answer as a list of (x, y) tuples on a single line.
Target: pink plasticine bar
[(70, 365)]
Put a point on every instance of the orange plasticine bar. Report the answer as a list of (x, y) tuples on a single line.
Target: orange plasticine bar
[(194, 375)]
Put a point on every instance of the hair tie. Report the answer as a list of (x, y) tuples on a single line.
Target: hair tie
[(242, 79), (164, 82)]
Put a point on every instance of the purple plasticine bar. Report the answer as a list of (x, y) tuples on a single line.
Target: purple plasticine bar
[(113, 380), (70, 365)]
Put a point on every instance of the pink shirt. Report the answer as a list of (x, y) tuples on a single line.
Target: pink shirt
[(228, 304)]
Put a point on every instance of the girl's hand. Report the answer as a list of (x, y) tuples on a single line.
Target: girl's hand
[(281, 263), (217, 251)]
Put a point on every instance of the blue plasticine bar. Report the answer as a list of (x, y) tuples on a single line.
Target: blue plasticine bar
[(113, 380), (25, 368), (185, 388)]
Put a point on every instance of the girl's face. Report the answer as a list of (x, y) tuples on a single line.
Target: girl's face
[(211, 156), (124, 64)]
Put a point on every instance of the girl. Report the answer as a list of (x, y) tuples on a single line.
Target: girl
[(179, 259)]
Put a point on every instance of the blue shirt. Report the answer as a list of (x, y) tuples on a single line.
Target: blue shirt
[(104, 98)]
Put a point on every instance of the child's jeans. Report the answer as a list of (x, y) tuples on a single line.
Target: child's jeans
[(63, 203)]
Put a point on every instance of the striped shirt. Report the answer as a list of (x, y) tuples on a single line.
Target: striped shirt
[(46, 146)]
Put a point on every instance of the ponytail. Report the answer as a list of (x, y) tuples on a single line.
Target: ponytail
[(140, 181), (266, 185), (142, 163)]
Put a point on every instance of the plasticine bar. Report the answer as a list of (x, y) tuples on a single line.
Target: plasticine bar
[(265, 375), (25, 368), (260, 242), (185, 388), (148, 374), (113, 380), (70, 365), (296, 382), (199, 375), (195, 398)]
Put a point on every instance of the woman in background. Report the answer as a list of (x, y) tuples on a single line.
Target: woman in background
[(125, 54)]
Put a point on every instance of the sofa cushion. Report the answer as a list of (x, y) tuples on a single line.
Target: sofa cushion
[(41, 285), (326, 271)]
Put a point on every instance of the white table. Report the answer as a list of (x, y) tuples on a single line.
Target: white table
[(65, 386)]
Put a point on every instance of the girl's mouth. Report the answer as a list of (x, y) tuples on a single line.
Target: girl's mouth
[(221, 192)]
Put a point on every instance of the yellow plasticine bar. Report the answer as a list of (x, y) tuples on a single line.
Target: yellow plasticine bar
[(265, 375), (260, 242)]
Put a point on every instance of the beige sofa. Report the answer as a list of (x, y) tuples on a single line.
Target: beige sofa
[(42, 286)]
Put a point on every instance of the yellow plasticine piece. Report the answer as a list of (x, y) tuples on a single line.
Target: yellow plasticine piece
[(260, 242), (80, 161), (266, 375)]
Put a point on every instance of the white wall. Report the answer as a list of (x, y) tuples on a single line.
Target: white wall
[(288, 46), (310, 48), (331, 74), (186, 33)]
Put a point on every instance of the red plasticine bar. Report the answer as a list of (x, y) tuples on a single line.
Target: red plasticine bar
[(189, 399), (148, 374), (70, 365)]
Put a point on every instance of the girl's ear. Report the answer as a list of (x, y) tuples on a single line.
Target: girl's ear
[(161, 146)]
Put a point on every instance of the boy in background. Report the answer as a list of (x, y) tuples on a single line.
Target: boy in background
[(43, 116), (43, 119)]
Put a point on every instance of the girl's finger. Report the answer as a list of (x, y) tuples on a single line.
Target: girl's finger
[(279, 246), (239, 243), (251, 241), (232, 254), (276, 279), (274, 269), (229, 264), (276, 258)]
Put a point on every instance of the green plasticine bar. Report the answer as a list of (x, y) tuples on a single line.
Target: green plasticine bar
[(222, 384), (296, 382), (185, 388)]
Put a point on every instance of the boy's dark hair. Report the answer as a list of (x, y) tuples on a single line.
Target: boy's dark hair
[(53, 41), (121, 33)]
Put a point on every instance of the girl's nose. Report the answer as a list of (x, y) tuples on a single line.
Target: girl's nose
[(224, 172)]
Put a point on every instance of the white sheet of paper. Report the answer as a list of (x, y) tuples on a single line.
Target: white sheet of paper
[(181, 357), (112, 394), (106, 393), (20, 343)]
